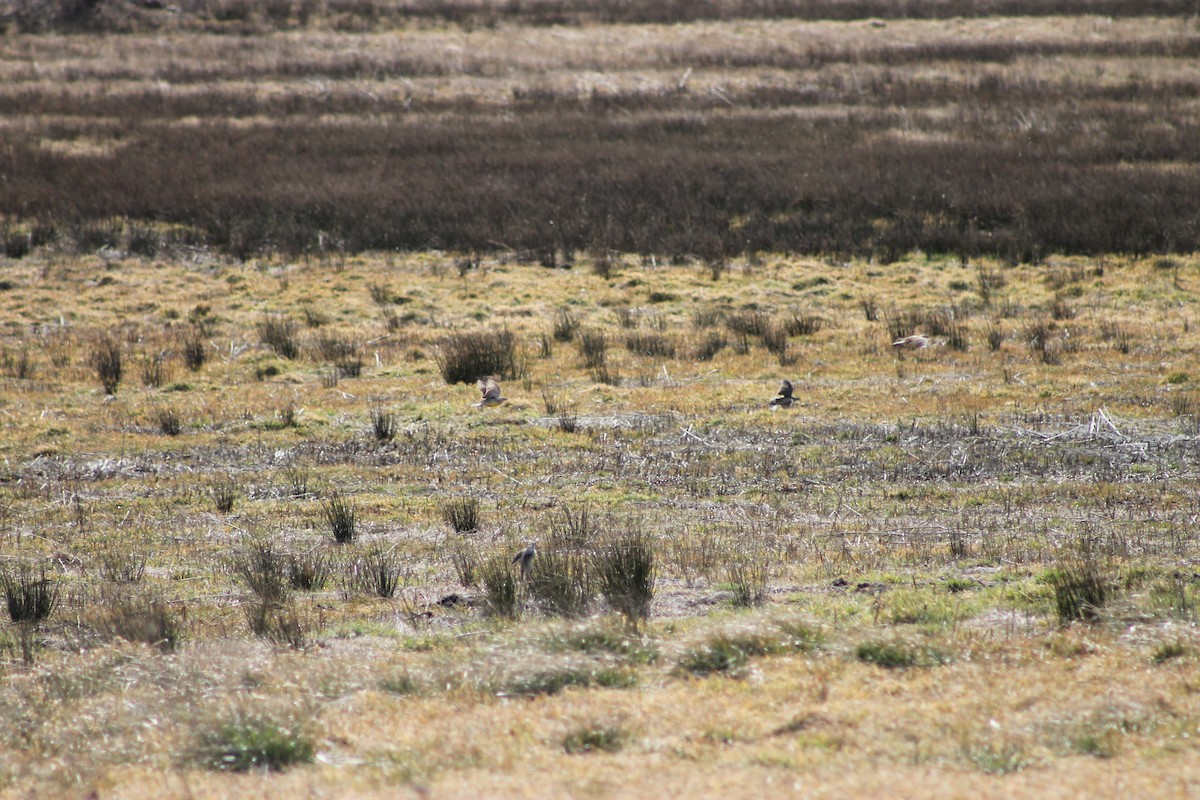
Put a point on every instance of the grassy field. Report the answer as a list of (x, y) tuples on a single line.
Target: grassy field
[(256, 541), (866, 589)]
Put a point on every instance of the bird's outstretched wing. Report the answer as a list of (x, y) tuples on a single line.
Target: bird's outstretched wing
[(915, 342), (490, 389), (785, 389)]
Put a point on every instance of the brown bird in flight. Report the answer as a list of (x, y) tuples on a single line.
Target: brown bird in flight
[(785, 398), (491, 394), (915, 342)]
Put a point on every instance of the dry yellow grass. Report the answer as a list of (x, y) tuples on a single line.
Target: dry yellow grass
[(1012, 705)]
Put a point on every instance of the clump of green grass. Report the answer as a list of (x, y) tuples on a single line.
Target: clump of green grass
[(625, 569), (464, 559), (562, 581), (996, 758), (377, 572), (600, 639), (340, 517), (31, 597), (748, 574), (710, 344), (500, 587), (461, 514), (594, 739), (554, 679), (896, 653), (279, 623), (122, 565), (194, 349), (308, 572), (254, 741), (384, 425), (1081, 588), (650, 343), (726, 653), (154, 369)]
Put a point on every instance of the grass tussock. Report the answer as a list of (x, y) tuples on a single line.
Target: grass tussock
[(467, 356), (251, 740)]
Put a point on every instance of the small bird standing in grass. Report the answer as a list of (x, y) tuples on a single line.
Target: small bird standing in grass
[(491, 394), (525, 559), (784, 398), (917, 341)]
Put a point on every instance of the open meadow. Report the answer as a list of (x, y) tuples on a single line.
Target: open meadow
[(257, 540)]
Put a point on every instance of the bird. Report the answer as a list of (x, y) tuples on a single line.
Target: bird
[(525, 559), (491, 394), (915, 342), (785, 398)]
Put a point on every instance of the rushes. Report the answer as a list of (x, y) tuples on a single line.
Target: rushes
[(626, 573), (30, 597), (340, 517), (467, 356), (500, 586), (461, 514), (106, 360), (280, 334)]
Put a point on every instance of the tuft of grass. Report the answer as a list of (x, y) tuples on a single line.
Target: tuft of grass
[(254, 741), (280, 334), (461, 514), (650, 343), (378, 572), (605, 639), (194, 349), (384, 425), (31, 597), (500, 587), (593, 347), (466, 356), (724, 654), (562, 581), (224, 494), (281, 624), (748, 574), (896, 653), (340, 517), (120, 565), (594, 739), (1081, 588), (106, 360), (308, 572), (147, 619), (553, 680), (464, 558), (264, 571), (625, 571), (169, 421), (996, 758), (154, 370), (566, 325), (709, 345)]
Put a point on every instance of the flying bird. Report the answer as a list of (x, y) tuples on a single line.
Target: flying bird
[(491, 394), (915, 342), (525, 559), (784, 398)]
